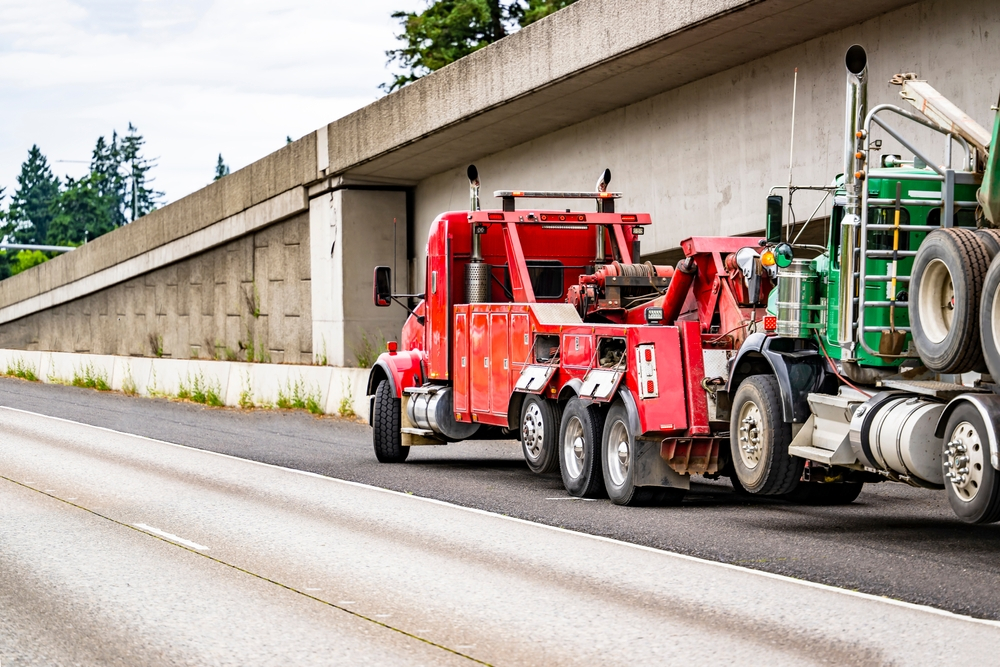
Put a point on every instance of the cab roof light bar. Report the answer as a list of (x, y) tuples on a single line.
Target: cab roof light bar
[(605, 200), (541, 194)]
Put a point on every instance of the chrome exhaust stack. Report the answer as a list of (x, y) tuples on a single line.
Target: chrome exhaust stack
[(477, 272), (602, 186), (856, 62)]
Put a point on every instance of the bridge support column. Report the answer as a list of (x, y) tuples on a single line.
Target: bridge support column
[(352, 231)]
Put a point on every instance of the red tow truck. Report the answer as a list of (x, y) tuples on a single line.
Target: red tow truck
[(543, 325)]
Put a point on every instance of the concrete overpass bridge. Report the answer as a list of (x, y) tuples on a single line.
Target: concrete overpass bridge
[(688, 102)]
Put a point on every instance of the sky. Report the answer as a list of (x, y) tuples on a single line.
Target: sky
[(196, 77)]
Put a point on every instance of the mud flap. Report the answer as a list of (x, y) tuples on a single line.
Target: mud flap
[(651, 469)]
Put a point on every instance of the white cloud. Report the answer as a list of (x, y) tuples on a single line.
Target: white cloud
[(197, 77)]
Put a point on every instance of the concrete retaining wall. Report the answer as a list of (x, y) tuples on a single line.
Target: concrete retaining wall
[(336, 391), (251, 292)]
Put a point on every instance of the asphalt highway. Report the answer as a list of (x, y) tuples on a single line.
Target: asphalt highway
[(895, 541), (122, 550)]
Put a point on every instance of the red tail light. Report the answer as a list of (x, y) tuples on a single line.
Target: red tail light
[(495, 216), (630, 218), (770, 323)]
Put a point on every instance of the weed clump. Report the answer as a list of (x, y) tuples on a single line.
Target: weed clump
[(200, 390), (90, 378), (21, 369), (295, 397)]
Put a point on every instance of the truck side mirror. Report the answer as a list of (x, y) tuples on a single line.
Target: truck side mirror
[(383, 289), (775, 206)]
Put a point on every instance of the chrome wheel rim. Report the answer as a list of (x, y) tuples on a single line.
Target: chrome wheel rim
[(964, 460), (937, 301), (618, 453), (574, 447), (533, 432), (751, 434)]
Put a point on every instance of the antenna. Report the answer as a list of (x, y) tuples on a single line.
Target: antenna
[(791, 154), (394, 272)]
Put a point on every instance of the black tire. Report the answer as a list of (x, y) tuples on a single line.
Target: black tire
[(814, 493), (618, 465), (990, 240), (386, 434), (989, 320), (945, 288), (974, 494), (579, 449), (759, 439), (738, 487), (540, 434)]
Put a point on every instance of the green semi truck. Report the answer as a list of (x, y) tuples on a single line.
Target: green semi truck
[(884, 355)]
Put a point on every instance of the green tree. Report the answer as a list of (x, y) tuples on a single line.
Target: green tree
[(4, 261), (31, 206), (25, 259), (140, 198), (83, 211), (451, 29), (221, 169), (107, 177), (535, 10)]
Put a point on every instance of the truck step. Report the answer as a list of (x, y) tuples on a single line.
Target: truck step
[(943, 390)]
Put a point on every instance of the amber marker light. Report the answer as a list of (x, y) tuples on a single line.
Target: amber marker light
[(767, 259)]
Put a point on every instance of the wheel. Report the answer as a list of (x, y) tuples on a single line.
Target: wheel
[(989, 320), (759, 439), (386, 434), (814, 493), (990, 240), (945, 287), (618, 462), (579, 445), (540, 434), (972, 484)]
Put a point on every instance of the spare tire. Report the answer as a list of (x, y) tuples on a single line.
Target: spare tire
[(945, 287), (990, 238), (989, 319)]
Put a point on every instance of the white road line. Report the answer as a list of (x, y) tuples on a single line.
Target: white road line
[(170, 536), (671, 554)]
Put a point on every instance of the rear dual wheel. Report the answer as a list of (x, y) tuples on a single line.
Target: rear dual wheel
[(579, 449), (618, 464)]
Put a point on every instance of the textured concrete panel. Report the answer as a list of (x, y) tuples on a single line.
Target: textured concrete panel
[(199, 307)]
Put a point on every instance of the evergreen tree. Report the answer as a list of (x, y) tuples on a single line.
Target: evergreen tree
[(140, 199), (221, 169), (30, 208), (4, 260), (451, 29), (107, 177), (82, 211)]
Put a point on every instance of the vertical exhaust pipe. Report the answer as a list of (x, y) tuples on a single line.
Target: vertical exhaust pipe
[(477, 272), (856, 62), (602, 186)]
